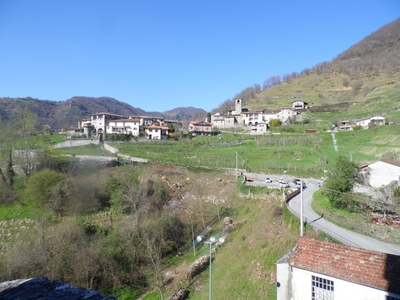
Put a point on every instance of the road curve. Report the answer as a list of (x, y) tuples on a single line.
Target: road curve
[(345, 236)]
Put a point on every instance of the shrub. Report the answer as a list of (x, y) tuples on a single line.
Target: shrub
[(39, 187), (275, 123)]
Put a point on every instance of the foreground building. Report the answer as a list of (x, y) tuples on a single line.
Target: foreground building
[(323, 270)]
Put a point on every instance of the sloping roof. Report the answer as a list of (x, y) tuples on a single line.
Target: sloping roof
[(391, 162), (125, 120), (201, 123), (156, 127), (374, 269)]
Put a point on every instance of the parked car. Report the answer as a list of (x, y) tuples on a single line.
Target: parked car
[(284, 184), (281, 180), (296, 181), (267, 179)]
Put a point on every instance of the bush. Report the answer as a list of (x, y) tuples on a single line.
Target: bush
[(357, 127), (39, 187), (275, 123)]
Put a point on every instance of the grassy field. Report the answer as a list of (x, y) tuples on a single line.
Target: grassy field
[(295, 152)]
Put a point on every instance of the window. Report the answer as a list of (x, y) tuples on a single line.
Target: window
[(322, 289)]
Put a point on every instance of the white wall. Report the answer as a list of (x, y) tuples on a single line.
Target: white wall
[(343, 290), (283, 288)]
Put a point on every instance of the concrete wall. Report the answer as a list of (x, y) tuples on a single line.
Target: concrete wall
[(75, 143), (110, 148)]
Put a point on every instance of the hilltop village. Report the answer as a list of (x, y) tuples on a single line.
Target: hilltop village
[(255, 122)]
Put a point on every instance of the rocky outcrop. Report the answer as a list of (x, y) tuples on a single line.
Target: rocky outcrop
[(45, 289)]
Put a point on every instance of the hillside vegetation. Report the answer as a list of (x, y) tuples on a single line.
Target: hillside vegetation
[(366, 77)]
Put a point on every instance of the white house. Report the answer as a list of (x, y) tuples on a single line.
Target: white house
[(382, 172), (298, 105), (252, 117), (100, 121), (285, 114), (260, 128), (124, 126), (377, 120), (149, 120), (323, 270), (154, 132)]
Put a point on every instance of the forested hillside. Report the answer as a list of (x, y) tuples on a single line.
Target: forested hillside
[(365, 74)]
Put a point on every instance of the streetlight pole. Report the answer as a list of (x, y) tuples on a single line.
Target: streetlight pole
[(301, 208), (212, 240)]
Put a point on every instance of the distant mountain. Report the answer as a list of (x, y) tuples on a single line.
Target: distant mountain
[(185, 113), (62, 114)]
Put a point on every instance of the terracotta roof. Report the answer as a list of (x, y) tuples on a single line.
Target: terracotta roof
[(375, 269), (156, 127), (200, 123), (125, 120), (392, 162)]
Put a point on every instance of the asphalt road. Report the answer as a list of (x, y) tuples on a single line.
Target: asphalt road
[(343, 235)]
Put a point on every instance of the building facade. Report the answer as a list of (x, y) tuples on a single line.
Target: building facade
[(326, 271)]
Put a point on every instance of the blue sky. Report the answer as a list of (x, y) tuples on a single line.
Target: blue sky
[(160, 54)]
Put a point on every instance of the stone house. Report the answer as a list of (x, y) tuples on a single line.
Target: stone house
[(323, 270)]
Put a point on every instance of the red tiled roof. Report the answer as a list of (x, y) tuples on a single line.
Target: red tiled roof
[(200, 123), (392, 162), (366, 267), (125, 120), (156, 127)]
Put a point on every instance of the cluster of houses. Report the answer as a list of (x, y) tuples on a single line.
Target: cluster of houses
[(257, 120), (103, 122), (156, 128)]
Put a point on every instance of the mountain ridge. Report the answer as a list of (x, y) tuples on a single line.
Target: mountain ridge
[(65, 114)]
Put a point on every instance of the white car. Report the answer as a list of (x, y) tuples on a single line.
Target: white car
[(268, 180), (284, 184)]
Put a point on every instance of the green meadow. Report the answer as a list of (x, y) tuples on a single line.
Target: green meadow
[(295, 152)]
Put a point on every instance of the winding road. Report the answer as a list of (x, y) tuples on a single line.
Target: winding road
[(345, 236)]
